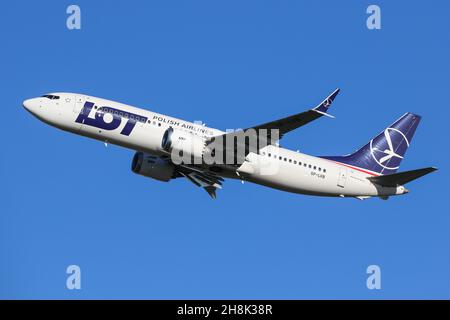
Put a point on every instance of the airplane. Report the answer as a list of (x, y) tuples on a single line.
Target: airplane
[(167, 148)]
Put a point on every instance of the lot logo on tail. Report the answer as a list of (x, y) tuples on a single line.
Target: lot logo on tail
[(327, 102), (385, 149)]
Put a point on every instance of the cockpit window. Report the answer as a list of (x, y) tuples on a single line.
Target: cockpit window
[(50, 96)]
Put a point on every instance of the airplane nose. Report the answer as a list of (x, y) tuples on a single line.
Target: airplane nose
[(27, 104), (30, 104)]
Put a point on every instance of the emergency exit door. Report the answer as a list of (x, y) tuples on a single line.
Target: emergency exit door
[(342, 177)]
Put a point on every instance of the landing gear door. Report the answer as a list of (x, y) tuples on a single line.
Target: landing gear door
[(342, 177)]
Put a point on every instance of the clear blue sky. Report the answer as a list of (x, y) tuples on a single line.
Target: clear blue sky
[(68, 200)]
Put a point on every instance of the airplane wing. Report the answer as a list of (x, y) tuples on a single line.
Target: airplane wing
[(295, 121), (283, 126), (201, 178)]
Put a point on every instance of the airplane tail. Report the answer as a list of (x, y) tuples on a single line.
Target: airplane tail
[(383, 154)]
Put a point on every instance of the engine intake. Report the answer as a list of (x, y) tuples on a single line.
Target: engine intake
[(183, 147), (152, 166)]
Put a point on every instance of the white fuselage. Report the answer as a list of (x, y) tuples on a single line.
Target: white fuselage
[(273, 166)]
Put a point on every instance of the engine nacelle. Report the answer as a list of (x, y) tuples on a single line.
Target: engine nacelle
[(183, 146), (152, 166)]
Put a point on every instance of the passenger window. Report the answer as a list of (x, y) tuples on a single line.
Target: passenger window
[(309, 166), (324, 170), (281, 158), (295, 161), (315, 167), (290, 160)]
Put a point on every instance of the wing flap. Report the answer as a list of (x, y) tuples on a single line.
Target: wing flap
[(204, 179)]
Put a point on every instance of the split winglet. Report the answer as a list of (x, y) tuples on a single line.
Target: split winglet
[(322, 108)]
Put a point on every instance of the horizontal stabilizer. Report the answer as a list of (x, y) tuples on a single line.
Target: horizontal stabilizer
[(401, 178)]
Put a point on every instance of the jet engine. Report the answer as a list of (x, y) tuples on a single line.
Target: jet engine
[(152, 166), (183, 146)]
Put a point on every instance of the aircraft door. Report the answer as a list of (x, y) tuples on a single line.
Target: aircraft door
[(77, 107), (79, 103), (342, 177)]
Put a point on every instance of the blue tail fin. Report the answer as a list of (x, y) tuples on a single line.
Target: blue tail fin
[(384, 153)]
